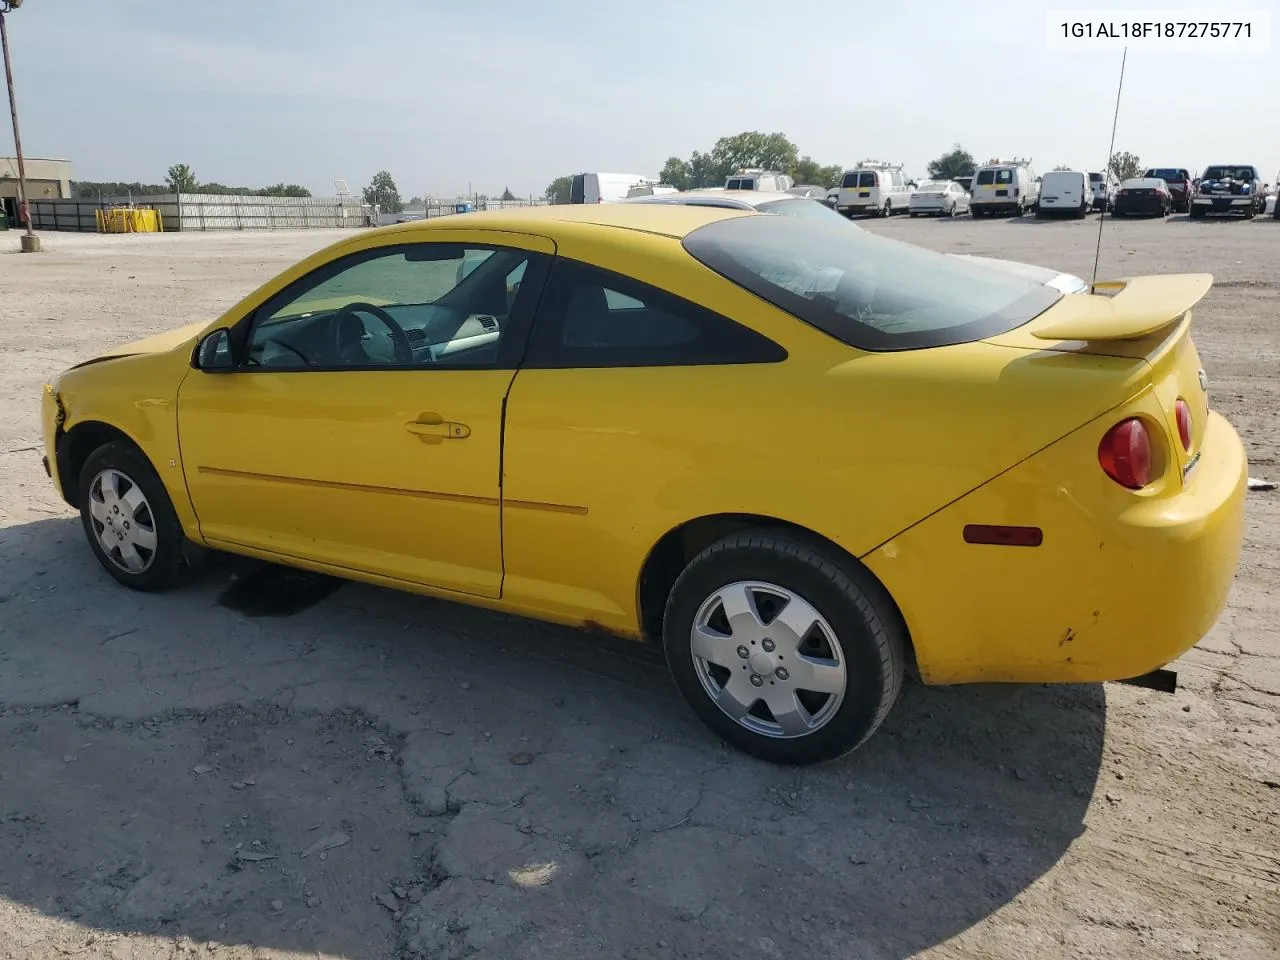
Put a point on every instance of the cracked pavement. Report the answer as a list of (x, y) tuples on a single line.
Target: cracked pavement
[(510, 789)]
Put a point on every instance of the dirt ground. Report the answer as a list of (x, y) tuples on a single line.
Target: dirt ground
[(268, 766)]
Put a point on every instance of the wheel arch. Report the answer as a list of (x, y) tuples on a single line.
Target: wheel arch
[(678, 546), (74, 446)]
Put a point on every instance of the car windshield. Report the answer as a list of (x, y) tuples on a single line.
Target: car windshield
[(1166, 173), (865, 290), (1095, 178), (986, 177)]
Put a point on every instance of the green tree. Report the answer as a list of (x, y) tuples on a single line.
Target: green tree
[(382, 190), (957, 162), (507, 194), (559, 190), (1125, 166), (771, 151), (181, 179), (809, 171), (676, 173), (705, 171)]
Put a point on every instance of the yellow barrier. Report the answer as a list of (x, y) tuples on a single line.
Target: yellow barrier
[(129, 220)]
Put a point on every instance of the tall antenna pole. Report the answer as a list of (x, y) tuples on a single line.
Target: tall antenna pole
[(30, 242), (1106, 172)]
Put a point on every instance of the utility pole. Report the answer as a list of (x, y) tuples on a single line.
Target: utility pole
[(30, 242)]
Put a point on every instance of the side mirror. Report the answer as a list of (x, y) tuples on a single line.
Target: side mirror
[(213, 353)]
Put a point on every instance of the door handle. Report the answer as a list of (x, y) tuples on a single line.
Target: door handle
[(433, 427)]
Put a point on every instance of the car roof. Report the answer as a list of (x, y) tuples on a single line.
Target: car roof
[(724, 199), (642, 214)]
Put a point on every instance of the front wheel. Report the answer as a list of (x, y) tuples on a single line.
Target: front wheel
[(784, 653), (129, 519)]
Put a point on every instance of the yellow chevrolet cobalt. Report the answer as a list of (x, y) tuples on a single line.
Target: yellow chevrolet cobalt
[(802, 457)]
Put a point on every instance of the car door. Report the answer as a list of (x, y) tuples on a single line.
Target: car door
[(627, 392), (358, 423)]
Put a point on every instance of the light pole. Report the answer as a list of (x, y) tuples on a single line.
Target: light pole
[(30, 242)]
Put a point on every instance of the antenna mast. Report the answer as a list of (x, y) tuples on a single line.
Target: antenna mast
[(1106, 172)]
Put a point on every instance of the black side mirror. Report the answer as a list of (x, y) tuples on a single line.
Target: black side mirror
[(213, 353)]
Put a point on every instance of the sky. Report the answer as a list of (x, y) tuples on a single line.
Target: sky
[(495, 94)]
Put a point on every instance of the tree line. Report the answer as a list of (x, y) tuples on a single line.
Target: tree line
[(773, 151), (179, 179)]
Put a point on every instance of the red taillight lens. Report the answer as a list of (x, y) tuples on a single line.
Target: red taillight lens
[(1184, 424), (1125, 454)]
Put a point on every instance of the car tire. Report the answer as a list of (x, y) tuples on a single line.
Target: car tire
[(912, 213), (887, 212), (130, 522), (847, 638)]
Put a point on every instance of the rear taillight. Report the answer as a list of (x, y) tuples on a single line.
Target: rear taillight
[(1184, 423), (1125, 454)]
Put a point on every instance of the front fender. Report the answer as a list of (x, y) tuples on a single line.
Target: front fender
[(135, 396)]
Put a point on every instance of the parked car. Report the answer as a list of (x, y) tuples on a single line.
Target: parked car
[(1179, 182), (810, 192), (759, 180), (560, 436), (1104, 186), (1064, 192), (761, 201), (879, 189), (1143, 196), (938, 198), (1005, 187), (1229, 188), (966, 182)]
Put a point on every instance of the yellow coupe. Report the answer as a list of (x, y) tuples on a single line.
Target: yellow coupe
[(804, 457)]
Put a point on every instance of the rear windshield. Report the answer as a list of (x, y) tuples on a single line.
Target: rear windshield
[(744, 183), (805, 209), (1004, 176), (1167, 173), (986, 177), (866, 178), (865, 290), (1095, 178), (1230, 173)]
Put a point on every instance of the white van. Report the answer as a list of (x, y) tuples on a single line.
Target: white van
[(650, 190), (604, 187), (1065, 192), (1005, 186), (880, 189), (759, 180)]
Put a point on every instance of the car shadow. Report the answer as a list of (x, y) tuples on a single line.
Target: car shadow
[(352, 771)]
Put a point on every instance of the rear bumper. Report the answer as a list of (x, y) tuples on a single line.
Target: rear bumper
[(1224, 204), (1122, 583), (1141, 208)]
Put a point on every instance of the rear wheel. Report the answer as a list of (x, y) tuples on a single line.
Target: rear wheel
[(782, 651), (129, 519)]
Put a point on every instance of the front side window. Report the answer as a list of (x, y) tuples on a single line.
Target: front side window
[(412, 305), (591, 317), (865, 290)]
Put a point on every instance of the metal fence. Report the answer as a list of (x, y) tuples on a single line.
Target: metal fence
[(192, 211)]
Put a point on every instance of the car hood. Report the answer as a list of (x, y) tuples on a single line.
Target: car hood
[(1066, 282), (159, 343)]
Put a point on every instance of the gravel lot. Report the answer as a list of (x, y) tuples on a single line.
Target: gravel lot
[(381, 775)]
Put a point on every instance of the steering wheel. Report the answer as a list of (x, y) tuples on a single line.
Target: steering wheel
[(347, 329)]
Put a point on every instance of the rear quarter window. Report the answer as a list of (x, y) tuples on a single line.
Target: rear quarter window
[(867, 291)]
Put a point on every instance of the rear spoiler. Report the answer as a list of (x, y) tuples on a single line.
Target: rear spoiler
[(1127, 309)]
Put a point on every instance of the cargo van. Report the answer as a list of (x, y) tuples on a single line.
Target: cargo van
[(604, 187), (1005, 187), (1065, 192), (879, 189), (759, 180)]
